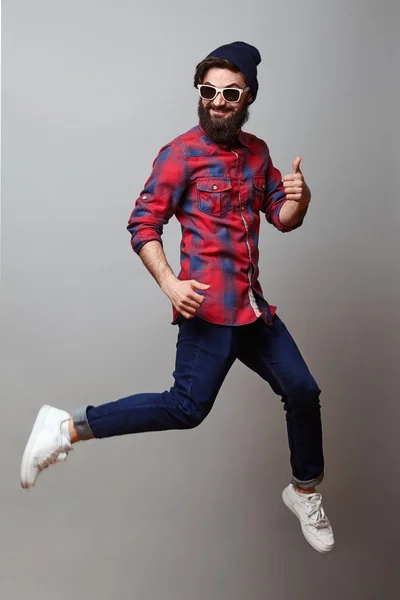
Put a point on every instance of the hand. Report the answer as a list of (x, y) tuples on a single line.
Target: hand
[(296, 188), (183, 297)]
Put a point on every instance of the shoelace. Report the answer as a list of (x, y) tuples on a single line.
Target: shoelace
[(315, 511), (55, 456)]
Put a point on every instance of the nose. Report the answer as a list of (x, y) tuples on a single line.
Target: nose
[(218, 100)]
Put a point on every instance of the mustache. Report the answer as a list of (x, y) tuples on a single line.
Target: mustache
[(220, 108)]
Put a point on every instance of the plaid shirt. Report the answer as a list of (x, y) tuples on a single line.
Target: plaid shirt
[(217, 194)]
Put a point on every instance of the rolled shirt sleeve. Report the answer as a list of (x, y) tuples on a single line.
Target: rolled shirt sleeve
[(275, 198), (159, 198)]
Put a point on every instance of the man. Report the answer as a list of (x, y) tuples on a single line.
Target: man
[(216, 180)]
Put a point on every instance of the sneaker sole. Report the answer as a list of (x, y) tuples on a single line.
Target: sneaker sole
[(289, 504), (38, 425)]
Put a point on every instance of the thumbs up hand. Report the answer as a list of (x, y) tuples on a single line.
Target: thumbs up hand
[(296, 164), (296, 188)]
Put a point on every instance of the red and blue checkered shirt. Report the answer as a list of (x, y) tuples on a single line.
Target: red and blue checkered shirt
[(217, 194)]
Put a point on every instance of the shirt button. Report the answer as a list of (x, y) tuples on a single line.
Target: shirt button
[(215, 187), (144, 197)]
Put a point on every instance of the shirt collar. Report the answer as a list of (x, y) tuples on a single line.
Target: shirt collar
[(245, 141)]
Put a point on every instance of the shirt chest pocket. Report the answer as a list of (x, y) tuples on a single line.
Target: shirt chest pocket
[(259, 188), (214, 196)]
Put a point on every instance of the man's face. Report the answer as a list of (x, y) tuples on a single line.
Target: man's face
[(223, 120)]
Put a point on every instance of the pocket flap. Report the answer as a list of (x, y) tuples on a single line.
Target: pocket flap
[(213, 185), (259, 183)]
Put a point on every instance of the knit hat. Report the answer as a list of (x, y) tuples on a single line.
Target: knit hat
[(245, 57)]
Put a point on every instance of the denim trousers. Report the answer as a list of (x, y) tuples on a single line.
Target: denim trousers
[(205, 353)]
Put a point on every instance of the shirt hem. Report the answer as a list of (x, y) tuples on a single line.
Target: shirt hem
[(262, 316)]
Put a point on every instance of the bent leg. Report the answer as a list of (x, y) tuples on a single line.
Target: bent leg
[(273, 354), (205, 353)]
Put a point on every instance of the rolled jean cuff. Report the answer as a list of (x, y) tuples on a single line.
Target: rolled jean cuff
[(81, 423), (308, 484)]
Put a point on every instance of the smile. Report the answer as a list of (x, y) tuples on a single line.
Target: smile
[(220, 112)]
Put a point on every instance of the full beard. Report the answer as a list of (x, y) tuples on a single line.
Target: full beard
[(222, 130)]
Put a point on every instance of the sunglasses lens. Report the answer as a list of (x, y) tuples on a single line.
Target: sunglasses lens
[(231, 95), (207, 92)]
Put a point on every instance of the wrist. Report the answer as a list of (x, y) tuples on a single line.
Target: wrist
[(167, 281)]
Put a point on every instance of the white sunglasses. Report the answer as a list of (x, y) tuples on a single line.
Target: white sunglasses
[(209, 92)]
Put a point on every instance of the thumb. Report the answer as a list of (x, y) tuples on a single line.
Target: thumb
[(199, 286), (296, 164)]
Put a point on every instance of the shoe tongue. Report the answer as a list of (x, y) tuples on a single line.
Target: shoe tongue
[(313, 498), (65, 434)]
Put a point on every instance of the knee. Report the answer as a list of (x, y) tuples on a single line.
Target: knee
[(190, 417), (304, 393), (190, 414)]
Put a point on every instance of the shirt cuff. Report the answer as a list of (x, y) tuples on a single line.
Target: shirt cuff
[(137, 242)]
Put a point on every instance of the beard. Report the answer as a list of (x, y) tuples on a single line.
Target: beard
[(222, 130)]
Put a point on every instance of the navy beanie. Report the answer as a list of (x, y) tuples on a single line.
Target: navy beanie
[(245, 57)]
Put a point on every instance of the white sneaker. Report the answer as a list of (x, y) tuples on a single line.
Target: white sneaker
[(48, 443), (314, 523)]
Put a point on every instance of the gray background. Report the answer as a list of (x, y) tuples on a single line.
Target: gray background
[(91, 91)]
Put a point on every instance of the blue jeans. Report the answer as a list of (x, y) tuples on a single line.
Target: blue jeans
[(205, 353)]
